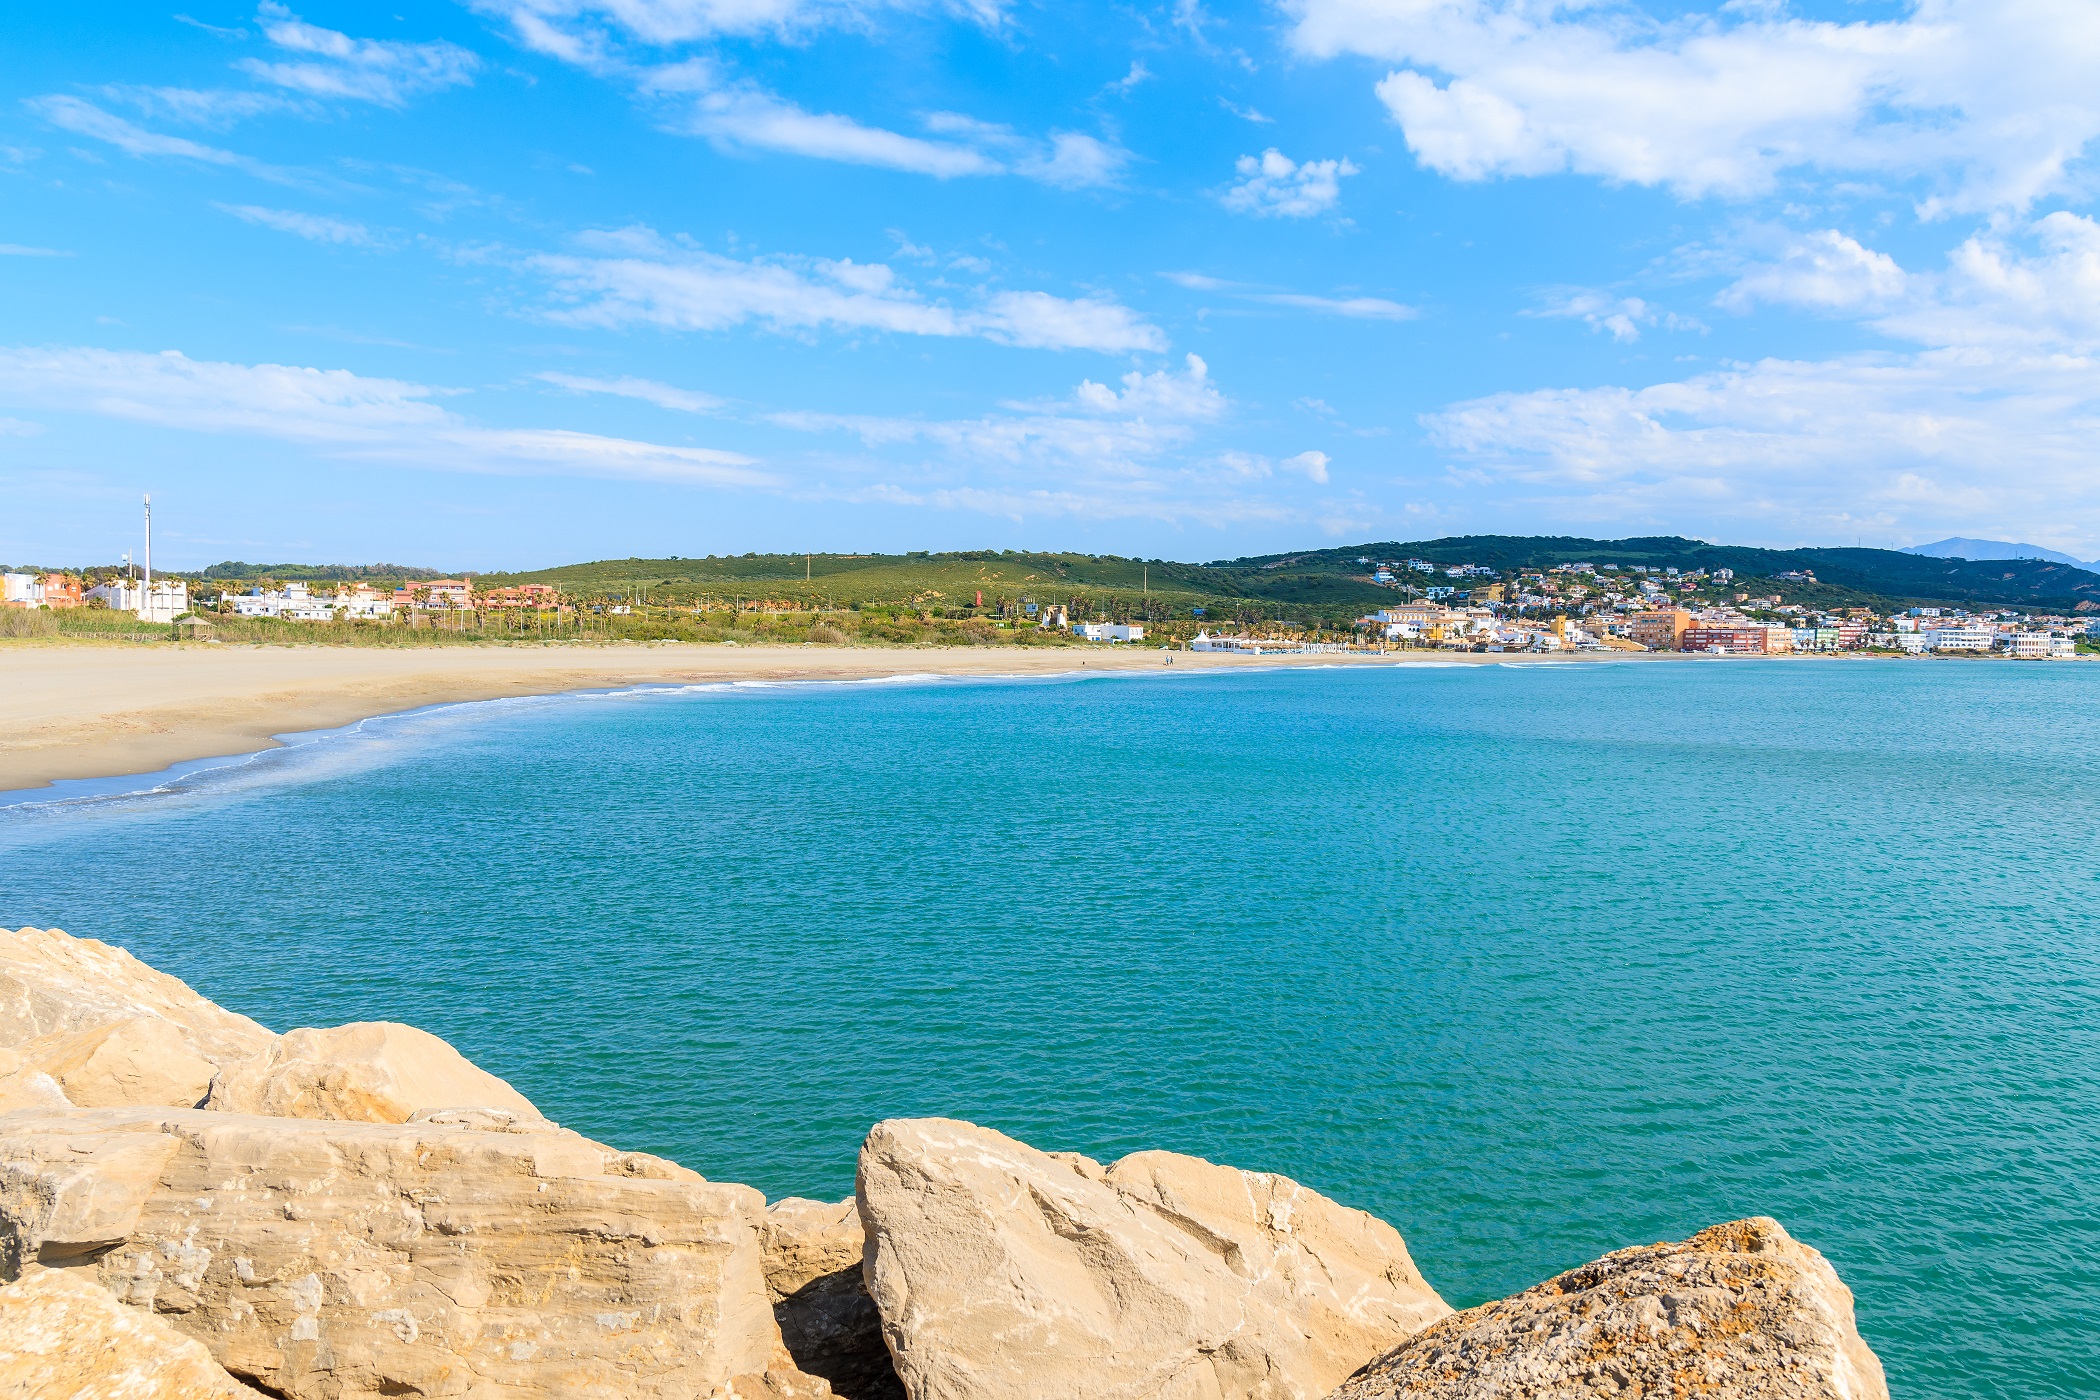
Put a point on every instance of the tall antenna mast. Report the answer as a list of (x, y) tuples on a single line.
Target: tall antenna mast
[(146, 593)]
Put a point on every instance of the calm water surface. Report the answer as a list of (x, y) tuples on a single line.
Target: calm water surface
[(1533, 961)]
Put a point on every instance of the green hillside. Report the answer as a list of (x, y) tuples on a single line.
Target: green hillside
[(936, 581), (1883, 578)]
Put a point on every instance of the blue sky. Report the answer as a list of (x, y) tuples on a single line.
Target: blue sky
[(515, 282)]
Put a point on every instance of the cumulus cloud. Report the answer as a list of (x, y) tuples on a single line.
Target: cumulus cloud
[(1825, 269), (629, 387), (336, 411), (641, 279), (1133, 450), (1977, 439), (1619, 317), (328, 64), (1987, 428), (1274, 184), (1990, 100), (2036, 287), (317, 228)]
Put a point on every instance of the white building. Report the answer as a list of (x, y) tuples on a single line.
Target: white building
[(2039, 646), (168, 600), (296, 602), (1960, 638), (22, 590), (1107, 632)]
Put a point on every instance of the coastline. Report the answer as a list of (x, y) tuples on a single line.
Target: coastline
[(84, 712)]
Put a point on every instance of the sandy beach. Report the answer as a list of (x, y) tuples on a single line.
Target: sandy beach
[(104, 710)]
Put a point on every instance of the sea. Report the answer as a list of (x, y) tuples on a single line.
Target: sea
[(1533, 960)]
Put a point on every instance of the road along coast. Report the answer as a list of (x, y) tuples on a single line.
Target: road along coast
[(89, 710)]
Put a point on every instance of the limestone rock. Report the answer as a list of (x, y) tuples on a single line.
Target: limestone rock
[(325, 1259), (139, 1060), (52, 982), (1001, 1271), (1738, 1312), (827, 1320), (365, 1072), (63, 1337)]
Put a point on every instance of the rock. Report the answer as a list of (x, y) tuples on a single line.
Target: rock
[(52, 982), (63, 1337), (827, 1320), (365, 1072), (333, 1259), (1001, 1271), (1737, 1312), (139, 1060)]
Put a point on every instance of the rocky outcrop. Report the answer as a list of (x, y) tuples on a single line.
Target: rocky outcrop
[(827, 1320), (460, 1253), (51, 981), (138, 1060), (63, 1337), (999, 1270), (365, 1072), (1738, 1312)]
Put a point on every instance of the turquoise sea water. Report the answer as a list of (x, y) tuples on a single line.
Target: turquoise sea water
[(1533, 961)]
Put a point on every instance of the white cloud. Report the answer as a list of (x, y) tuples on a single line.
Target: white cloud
[(737, 114), (1274, 184), (334, 65), (22, 250), (1825, 270), (565, 28), (210, 107), (1186, 397), (1128, 452), (318, 228), (1039, 320), (1955, 440), (338, 412), (740, 114), (1310, 465), (1357, 308), (1995, 292), (1989, 100), (628, 387), (1074, 161), (86, 119), (1621, 317), (649, 281)]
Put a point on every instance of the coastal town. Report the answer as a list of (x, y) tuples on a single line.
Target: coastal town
[(1454, 607)]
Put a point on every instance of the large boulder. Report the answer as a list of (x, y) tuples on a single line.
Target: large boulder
[(1001, 1271), (63, 1337), (462, 1254), (1738, 1312), (52, 983), (139, 1060), (365, 1072), (827, 1320)]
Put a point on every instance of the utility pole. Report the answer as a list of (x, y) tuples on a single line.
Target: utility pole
[(146, 593)]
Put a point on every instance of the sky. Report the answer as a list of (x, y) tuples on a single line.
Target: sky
[(511, 283)]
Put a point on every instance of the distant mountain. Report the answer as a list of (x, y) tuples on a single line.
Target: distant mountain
[(1959, 548)]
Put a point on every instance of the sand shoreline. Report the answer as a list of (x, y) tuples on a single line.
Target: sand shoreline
[(106, 711)]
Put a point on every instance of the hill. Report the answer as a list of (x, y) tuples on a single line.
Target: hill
[(953, 580), (1881, 578)]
